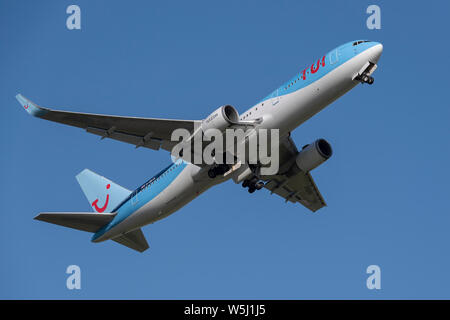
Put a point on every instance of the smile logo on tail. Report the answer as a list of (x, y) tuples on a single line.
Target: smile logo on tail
[(26, 107), (94, 204)]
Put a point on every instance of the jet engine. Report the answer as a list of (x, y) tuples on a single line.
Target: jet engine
[(221, 119), (313, 155)]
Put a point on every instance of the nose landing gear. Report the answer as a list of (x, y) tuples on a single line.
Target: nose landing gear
[(365, 78)]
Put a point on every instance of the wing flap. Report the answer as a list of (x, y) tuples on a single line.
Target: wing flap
[(299, 188), (138, 141)]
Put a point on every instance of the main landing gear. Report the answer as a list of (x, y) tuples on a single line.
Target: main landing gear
[(252, 185), (219, 170)]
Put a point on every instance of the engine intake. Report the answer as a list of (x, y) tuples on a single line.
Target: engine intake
[(313, 155), (221, 119)]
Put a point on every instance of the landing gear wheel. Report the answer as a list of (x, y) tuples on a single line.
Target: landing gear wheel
[(259, 185), (245, 184), (212, 173), (365, 78), (251, 189)]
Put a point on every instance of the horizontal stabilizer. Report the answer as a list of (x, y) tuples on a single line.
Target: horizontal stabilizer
[(84, 221), (134, 240)]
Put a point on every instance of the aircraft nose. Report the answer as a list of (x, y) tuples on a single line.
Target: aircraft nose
[(376, 51)]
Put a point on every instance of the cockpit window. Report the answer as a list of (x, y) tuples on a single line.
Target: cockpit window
[(358, 42)]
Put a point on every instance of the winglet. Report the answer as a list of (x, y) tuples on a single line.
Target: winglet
[(31, 107)]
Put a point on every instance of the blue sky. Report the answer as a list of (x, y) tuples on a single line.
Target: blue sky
[(386, 185)]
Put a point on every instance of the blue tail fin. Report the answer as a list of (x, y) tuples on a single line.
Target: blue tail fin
[(102, 194)]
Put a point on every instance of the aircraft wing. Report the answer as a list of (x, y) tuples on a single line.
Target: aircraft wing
[(294, 185), (142, 132), (299, 188)]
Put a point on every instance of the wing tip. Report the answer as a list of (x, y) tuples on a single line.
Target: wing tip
[(30, 107)]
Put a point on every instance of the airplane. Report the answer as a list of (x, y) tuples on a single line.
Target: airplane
[(120, 213)]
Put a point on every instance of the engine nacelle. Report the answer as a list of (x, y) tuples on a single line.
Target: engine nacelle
[(221, 119), (314, 154)]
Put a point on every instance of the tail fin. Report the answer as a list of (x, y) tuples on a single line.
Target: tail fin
[(103, 194)]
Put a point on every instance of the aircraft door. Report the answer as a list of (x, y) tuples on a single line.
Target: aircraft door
[(275, 97), (134, 198), (334, 56)]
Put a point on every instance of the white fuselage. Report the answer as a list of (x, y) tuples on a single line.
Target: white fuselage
[(282, 111)]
